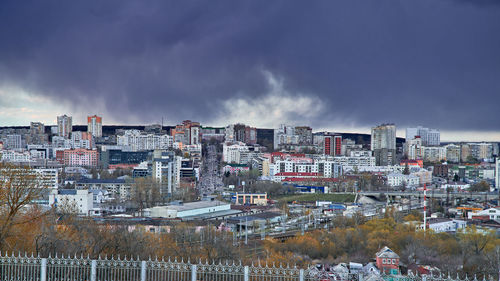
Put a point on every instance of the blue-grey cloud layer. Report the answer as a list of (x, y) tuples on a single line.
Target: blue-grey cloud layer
[(431, 62)]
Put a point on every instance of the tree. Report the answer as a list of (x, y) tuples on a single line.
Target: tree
[(480, 187), (145, 193), (19, 187)]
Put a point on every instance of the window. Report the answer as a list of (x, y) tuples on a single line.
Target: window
[(383, 261), (393, 261)]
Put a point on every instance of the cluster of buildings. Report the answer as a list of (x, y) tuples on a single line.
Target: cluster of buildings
[(172, 155)]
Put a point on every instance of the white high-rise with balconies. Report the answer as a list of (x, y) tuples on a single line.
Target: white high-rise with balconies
[(430, 137), (64, 126)]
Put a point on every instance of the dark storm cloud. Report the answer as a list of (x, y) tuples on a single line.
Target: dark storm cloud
[(429, 62)]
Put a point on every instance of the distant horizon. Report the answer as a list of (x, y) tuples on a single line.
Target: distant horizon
[(400, 132)]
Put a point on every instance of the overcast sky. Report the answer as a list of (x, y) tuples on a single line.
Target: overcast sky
[(343, 65)]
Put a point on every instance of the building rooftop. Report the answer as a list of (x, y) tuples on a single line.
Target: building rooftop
[(387, 253), (195, 205)]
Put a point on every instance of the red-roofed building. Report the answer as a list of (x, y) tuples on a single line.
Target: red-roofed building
[(412, 163)]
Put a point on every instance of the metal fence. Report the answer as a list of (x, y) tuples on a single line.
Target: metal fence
[(23, 267)]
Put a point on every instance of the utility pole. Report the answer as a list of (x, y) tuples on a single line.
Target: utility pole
[(246, 231), (425, 209)]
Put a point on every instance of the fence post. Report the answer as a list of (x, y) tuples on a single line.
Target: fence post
[(93, 271), (246, 276), (143, 270), (43, 270), (193, 272), (301, 275)]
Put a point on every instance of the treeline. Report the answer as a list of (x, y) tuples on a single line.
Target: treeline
[(470, 251)]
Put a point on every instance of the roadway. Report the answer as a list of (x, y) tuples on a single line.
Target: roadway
[(430, 194)]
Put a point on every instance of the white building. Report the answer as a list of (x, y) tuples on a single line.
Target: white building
[(81, 140), (434, 153), (323, 167), (15, 156), (413, 148), (396, 179), (231, 152), (443, 225), (492, 213), (497, 173), (48, 177), (64, 126), (14, 142), (453, 153), (163, 170), (285, 135), (354, 161), (430, 137), (94, 125), (81, 200), (188, 210), (139, 141)]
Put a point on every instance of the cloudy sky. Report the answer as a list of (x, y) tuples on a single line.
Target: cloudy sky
[(343, 65)]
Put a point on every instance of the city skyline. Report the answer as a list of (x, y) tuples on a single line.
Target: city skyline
[(343, 65)]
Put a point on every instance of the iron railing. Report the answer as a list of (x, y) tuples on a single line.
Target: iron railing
[(23, 267)]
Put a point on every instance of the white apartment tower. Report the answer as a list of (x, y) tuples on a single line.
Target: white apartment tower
[(497, 173), (94, 125), (64, 126), (430, 137), (383, 144)]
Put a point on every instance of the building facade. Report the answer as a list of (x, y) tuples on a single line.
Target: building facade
[(94, 126), (383, 144), (64, 126)]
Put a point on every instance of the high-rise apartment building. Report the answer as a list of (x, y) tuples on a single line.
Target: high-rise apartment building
[(188, 132), (94, 125), (332, 145), (413, 148), (14, 142), (383, 144), (37, 128), (430, 137), (497, 173), (64, 126)]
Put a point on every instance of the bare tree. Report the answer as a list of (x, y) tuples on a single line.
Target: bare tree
[(19, 187)]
